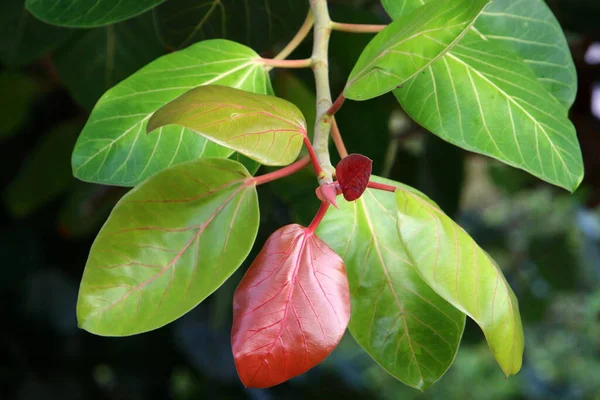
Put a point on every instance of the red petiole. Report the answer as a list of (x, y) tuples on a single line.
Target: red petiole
[(280, 173), (381, 186), (318, 218), (337, 104)]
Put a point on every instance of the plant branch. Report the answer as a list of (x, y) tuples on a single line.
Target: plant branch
[(357, 28), (337, 139), (280, 173), (320, 54), (298, 38), (276, 63), (381, 186)]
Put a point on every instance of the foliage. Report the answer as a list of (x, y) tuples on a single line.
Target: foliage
[(189, 130)]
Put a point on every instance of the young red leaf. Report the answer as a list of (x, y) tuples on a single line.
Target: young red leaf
[(353, 174), (291, 308)]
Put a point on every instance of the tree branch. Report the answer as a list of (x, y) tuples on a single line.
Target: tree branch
[(320, 54)]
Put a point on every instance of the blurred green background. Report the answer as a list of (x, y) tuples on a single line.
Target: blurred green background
[(546, 240)]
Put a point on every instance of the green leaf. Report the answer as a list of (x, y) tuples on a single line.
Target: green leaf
[(111, 54), (87, 13), (23, 38), (482, 97), (532, 31), (396, 317), (251, 165), (288, 86), (450, 261), (256, 23), (264, 128), (409, 44), (113, 147), (167, 245), (46, 174)]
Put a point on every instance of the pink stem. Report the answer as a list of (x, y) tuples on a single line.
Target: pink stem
[(318, 218), (280, 173), (337, 139), (381, 186), (313, 157)]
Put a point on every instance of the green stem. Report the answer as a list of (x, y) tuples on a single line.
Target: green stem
[(276, 63), (320, 57), (357, 28), (298, 38)]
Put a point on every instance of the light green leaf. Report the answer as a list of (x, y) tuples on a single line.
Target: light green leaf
[(251, 165), (87, 13), (114, 148), (264, 128), (532, 31), (409, 44), (111, 54), (396, 317), (288, 86), (483, 98), (450, 261), (255, 23), (46, 173), (23, 38), (167, 245)]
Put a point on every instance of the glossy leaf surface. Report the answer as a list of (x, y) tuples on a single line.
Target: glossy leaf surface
[(450, 261), (353, 173), (396, 317), (409, 44), (483, 98), (267, 129), (291, 308), (114, 148), (167, 245), (87, 13), (113, 53), (533, 33)]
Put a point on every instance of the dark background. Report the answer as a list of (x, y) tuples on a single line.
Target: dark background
[(547, 240)]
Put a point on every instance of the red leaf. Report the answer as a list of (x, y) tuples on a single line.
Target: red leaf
[(290, 310), (353, 174)]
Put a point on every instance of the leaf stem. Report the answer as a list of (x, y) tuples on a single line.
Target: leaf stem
[(318, 218), (276, 63), (357, 28), (381, 186), (337, 139), (313, 158), (298, 38), (280, 173), (335, 107), (320, 54)]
